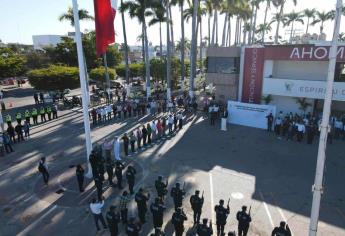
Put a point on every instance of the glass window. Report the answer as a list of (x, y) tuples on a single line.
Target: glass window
[(223, 65), (339, 72)]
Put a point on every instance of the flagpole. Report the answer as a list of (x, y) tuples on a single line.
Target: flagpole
[(82, 86), (321, 157), (106, 74)]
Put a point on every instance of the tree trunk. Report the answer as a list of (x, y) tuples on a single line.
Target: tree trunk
[(265, 20), (278, 23), (143, 47), (168, 55), (236, 31), (307, 26), (160, 40), (251, 25), (254, 25), (213, 28), (147, 62), (217, 28), (228, 35), (291, 33), (172, 31), (244, 34), (183, 47), (224, 29), (239, 31), (200, 54), (209, 30), (196, 48), (191, 80), (126, 45)]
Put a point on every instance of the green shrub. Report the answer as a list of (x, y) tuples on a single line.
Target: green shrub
[(54, 78), (98, 74)]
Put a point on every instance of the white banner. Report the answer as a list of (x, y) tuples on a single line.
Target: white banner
[(302, 88), (247, 114)]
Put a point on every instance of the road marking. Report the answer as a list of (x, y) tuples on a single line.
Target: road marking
[(280, 210), (211, 190), (32, 225), (266, 208)]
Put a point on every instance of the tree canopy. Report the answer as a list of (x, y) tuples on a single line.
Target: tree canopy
[(54, 78)]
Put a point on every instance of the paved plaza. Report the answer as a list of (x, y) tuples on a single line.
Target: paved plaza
[(249, 166)]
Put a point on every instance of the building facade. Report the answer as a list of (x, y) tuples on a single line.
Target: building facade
[(293, 76), (223, 69)]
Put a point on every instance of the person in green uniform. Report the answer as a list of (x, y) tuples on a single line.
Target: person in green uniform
[(49, 112), (34, 114), (43, 114), (19, 117), (27, 115), (8, 119)]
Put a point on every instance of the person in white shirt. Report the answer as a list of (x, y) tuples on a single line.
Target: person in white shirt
[(96, 209), (277, 126), (300, 131), (154, 130), (117, 149), (170, 123)]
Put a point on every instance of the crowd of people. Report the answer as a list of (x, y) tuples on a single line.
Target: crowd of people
[(18, 130), (299, 127)]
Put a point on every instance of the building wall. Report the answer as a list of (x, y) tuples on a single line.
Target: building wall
[(289, 104), (300, 70), (42, 41), (226, 85)]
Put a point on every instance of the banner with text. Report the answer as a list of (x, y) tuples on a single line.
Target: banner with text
[(253, 115), (302, 88), (253, 73)]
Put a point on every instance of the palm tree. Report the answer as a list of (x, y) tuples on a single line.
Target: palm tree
[(321, 17), (181, 3), (139, 9), (188, 13), (68, 16), (342, 37), (281, 4), (246, 29), (257, 6), (194, 45), (243, 14), (277, 18), (268, 6), (216, 7), (263, 29), (125, 42), (158, 18), (290, 19), (209, 9), (309, 13)]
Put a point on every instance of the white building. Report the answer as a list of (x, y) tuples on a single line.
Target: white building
[(291, 73), (42, 41)]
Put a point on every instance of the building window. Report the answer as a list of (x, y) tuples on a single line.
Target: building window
[(339, 72), (223, 65)]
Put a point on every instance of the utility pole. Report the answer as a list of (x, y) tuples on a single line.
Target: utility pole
[(168, 53), (321, 157)]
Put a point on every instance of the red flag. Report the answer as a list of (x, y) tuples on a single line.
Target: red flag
[(105, 11)]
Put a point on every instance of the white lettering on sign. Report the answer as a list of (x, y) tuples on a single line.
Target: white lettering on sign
[(318, 53), (253, 73), (302, 88)]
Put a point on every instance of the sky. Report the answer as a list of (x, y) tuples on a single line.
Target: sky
[(20, 19)]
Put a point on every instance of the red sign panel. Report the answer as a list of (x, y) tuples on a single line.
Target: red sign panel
[(302, 53), (252, 77)]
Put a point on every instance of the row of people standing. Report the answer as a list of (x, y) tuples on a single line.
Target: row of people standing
[(47, 112)]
